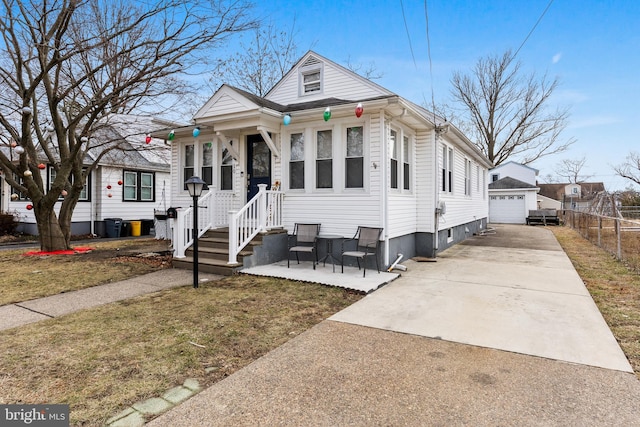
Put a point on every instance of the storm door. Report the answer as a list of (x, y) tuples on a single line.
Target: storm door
[(258, 164)]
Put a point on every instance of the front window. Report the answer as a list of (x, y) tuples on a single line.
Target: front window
[(226, 171), (324, 162), (207, 163), (393, 150), (138, 186), (84, 194), (296, 163), (189, 163), (355, 157)]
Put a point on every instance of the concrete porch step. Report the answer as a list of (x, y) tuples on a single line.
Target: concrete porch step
[(207, 265)]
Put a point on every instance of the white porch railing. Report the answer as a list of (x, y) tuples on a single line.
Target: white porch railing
[(260, 214), (213, 213)]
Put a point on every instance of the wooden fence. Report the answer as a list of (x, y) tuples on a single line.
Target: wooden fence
[(620, 237)]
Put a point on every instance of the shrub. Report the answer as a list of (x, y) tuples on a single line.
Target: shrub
[(8, 223)]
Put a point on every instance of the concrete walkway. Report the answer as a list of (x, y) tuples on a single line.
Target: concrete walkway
[(14, 315), (500, 331)]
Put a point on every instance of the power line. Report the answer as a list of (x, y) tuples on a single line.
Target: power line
[(406, 27), (433, 102), (532, 29)]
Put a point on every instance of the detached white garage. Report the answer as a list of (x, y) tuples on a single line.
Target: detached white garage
[(510, 201)]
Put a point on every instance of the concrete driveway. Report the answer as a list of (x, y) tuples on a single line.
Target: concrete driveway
[(380, 363), (514, 290)]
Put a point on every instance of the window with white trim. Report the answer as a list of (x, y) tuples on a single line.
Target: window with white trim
[(188, 163), (406, 169), (447, 169), (138, 186), (477, 178), (20, 180), (394, 154), (467, 177), (296, 162), (324, 159), (207, 163), (354, 162), (226, 170)]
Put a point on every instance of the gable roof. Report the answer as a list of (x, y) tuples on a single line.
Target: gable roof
[(508, 183), (516, 164), (557, 191)]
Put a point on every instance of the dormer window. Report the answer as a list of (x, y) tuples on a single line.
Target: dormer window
[(310, 77)]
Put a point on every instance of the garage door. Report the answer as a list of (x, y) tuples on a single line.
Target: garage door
[(507, 209)]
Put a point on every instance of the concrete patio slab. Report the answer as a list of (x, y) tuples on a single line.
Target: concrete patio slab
[(304, 272)]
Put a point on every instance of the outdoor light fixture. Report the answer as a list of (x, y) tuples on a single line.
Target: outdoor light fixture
[(195, 185)]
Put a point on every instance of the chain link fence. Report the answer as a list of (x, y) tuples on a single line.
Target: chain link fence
[(618, 236)]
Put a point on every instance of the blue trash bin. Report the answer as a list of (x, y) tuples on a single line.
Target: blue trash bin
[(113, 226)]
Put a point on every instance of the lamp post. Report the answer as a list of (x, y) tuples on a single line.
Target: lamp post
[(195, 185)]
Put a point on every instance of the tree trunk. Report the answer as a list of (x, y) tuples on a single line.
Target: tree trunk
[(52, 238)]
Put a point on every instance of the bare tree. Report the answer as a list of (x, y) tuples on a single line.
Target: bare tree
[(571, 170), (67, 65), (630, 169), (508, 110), (369, 71), (260, 63)]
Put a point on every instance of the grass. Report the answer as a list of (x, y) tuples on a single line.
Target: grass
[(29, 277), (615, 288), (102, 360)]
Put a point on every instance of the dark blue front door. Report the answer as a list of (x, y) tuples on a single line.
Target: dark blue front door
[(258, 164)]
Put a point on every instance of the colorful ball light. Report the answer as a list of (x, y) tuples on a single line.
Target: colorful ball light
[(196, 132), (327, 114), (42, 166), (359, 110), (29, 207), (286, 120), (64, 193), (172, 135), (27, 173), (14, 196), (19, 149), (119, 182), (108, 186), (147, 139)]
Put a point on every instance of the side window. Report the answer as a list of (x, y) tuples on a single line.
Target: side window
[(393, 154), (207, 163), (324, 159), (354, 163), (406, 169), (188, 163), (447, 169), (226, 171), (296, 162)]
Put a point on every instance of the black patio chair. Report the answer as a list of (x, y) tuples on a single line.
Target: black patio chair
[(304, 239), (368, 241)]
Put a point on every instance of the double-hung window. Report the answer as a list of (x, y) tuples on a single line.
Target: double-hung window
[(188, 163), (21, 195), (324, 159), (296, 162), (84, 194), (138, 186), (406, 170), (226, 171), (354, 163), (207, 163), (467, 177), (394, 154), (447, 169)]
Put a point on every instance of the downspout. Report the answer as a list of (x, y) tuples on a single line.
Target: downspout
[(436, 195), (384, 193)]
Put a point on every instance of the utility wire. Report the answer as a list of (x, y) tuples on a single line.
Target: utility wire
[(406, 27), (532, 29), (433, 102)]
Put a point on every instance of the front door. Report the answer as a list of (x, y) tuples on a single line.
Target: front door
[(258, 164)]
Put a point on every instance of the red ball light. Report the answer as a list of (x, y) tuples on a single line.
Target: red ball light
[(41, 166), (108, 186), (29, 207), (359, 110), (120, 182), (148, 139)]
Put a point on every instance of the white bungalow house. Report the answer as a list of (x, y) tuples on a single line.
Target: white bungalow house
[(129, 184), (326, 146)]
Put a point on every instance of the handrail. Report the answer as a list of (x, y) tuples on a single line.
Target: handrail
[(263, 212), (183, 226)]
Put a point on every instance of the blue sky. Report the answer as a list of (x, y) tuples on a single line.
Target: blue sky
[(592, 46)]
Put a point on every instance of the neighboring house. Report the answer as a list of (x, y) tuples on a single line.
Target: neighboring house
[(512, 193), (129, 184), (572, 196), (514, 170), (342, 151)]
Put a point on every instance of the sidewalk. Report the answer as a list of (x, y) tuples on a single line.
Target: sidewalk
[(18, 314)]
